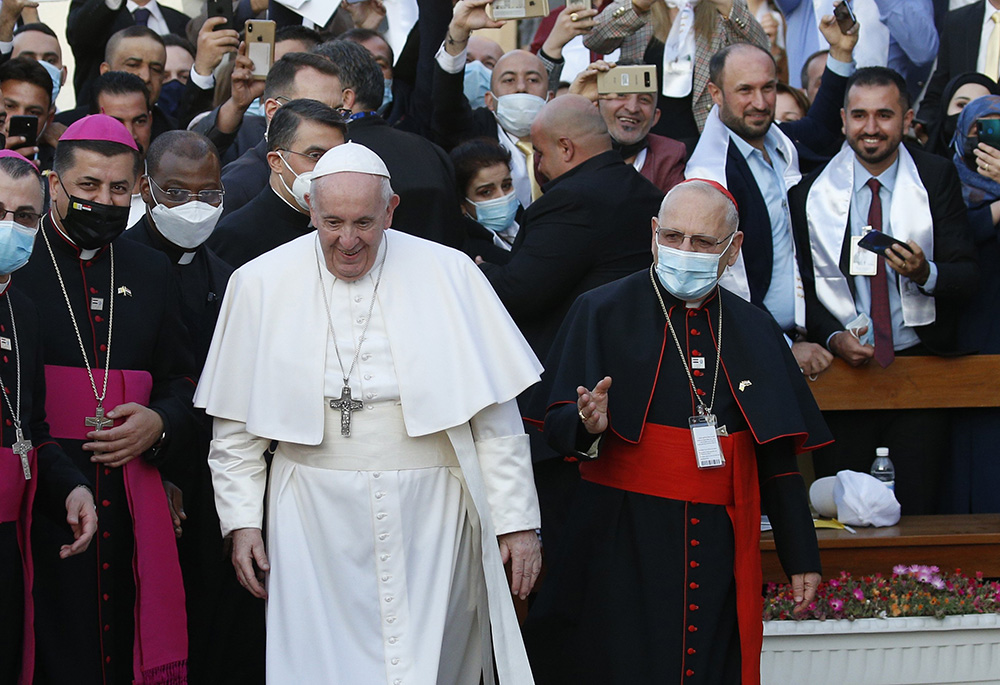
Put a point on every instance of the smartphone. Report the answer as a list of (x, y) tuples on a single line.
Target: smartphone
[(221, 8), (259, 37), (499, 10), (844, 14), (988, 131), (878, 242), (634, 78), (578, 5), (23, 125)]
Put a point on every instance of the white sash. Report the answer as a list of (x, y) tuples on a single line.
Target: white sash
[(708, 161), (828, 212), (678, 52), (872, 49)]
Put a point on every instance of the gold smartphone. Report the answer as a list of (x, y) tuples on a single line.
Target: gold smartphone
[(634, 78), (259, 37), (500, 10), (578, 5)]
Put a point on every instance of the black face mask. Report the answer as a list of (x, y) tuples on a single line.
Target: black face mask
[(92, 225), (948, 127), (971, 143)]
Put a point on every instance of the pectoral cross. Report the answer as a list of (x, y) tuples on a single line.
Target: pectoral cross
[(98, 423), (21, 447), (347, 406)]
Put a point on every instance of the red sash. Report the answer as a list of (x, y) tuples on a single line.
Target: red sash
[(644, 468), (161, 645), (16, 497)]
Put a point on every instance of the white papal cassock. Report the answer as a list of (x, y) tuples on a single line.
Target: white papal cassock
[(384, 562)]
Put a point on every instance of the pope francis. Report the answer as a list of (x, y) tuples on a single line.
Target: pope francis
[(386, 370)]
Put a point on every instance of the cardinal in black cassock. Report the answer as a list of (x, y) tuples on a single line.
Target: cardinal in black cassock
[(115, 613), (658, 578), (225, 622)]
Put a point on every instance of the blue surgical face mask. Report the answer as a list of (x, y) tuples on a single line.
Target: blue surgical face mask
[(256, 108), (477, 83), (386, 94), (16, 242), (688, 276), (498, 213), (55, 73)]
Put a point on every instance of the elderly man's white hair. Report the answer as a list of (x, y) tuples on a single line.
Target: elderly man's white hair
[(708, 193), (385, 187)]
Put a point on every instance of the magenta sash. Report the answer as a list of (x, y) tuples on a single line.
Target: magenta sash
[(16, 497), (161, 644)]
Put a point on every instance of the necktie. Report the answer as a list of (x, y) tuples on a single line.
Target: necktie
[(142, 16), (992, 68), (880, 314), (524, 145)]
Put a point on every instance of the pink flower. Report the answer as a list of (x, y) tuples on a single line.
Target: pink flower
[(858, 594), (900, 569), (937, 583), (834, 582), (837, 604)]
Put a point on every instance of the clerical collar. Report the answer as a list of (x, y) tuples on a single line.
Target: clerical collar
[(629, 151), (281, 197), (5, 285), (84, 255), (177, 254)]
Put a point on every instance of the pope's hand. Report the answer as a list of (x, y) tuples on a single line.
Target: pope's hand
[(248, 549), (525, 554), (592, 406)]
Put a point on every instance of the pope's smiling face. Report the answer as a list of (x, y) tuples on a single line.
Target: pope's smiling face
[(351, 212)]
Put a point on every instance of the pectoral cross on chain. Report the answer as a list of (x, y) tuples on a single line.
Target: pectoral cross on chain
[(98, 423), (21, 447), (347, 406)]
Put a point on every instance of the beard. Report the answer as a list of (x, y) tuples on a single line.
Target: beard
[(744, 128)]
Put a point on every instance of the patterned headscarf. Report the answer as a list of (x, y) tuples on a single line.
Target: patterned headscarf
[(976, 188)]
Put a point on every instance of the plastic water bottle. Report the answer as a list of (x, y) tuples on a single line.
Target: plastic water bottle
[(883, 469)]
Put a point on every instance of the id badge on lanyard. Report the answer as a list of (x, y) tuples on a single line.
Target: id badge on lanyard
[(704, 436)]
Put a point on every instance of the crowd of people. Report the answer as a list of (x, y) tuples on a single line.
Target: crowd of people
[(295, 363)]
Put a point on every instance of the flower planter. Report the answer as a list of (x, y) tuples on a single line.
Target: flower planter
[(877, 651)]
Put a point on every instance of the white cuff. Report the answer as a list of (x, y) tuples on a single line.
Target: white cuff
[(931, 283), (844, 69), (239, 475), (510, 484), (6, 48), (203, 82), (114, 4), (452, 64)]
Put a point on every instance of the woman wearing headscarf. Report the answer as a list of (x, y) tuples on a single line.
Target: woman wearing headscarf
[(956, 95), (975, 486)]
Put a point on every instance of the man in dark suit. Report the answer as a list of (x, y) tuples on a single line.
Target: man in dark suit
[(757, 160), (911, 306), (422, 173), (964, 45), (91, 23), (295, 76), (590, 227), (301, 131)]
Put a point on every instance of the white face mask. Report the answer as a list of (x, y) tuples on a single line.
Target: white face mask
[(517, 111), (300, 186), (188, 225)]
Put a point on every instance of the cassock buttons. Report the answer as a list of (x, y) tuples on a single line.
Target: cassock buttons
[(391, 640), (377, 474), (93, 291), (693, 586), (698, 372), (9, 422), (107, 472), (390, 619), (106, 596), (366, 356), (107, 659), (358, 298), (98, 318), (695, 353), (692, 650), (689, 673), (695, 522), (693, 607), (695, 564), (695, 543), (360, 320), (394, 660), (106, 535), (695, 331), (388, 598), (106, 627), (105, 503), (692, 629), (701, 392), (105, 566), (104, 348), (384, 557)]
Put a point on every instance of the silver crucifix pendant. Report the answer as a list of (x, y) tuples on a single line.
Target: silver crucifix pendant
[(98, 422), (347, 406), (21, 447)]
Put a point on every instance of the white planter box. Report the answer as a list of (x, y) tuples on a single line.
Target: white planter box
[(876, 651)]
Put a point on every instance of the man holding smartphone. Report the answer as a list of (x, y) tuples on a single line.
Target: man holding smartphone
[(27, 94), (911, 293)]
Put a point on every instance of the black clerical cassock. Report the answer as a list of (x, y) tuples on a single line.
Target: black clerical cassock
[(92, 623), (659, 577)]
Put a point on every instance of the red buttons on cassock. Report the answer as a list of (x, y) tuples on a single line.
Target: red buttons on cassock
[(695, 331), (106, 535), (93, 291), (9, 422), (692, 629), (695, 543), (5, 359), (692, 650), (701, 392), (106, 597), (693, 586), (698, 373), (87, 264), (105, 503), (107, 660), (695, 353), (107, 472), (106, 627), (695, 564), (104, 348), (105, 566), (695, 522), (98, 319), (693, 607), (689, 673)]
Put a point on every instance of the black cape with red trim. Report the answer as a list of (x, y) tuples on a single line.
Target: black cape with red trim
[(616, 605)]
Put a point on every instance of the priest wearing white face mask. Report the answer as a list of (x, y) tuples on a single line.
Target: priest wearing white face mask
[(182, 189), (670, 356), (301, 131), (519, 88)]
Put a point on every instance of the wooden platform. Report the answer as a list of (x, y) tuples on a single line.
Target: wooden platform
[(968, 542)]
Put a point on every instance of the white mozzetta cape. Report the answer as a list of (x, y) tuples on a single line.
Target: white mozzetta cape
[(455, 348)]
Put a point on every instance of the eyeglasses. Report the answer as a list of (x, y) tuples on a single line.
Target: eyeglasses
[(670, 237), (21, 216), (182, 195), (312, 156)]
